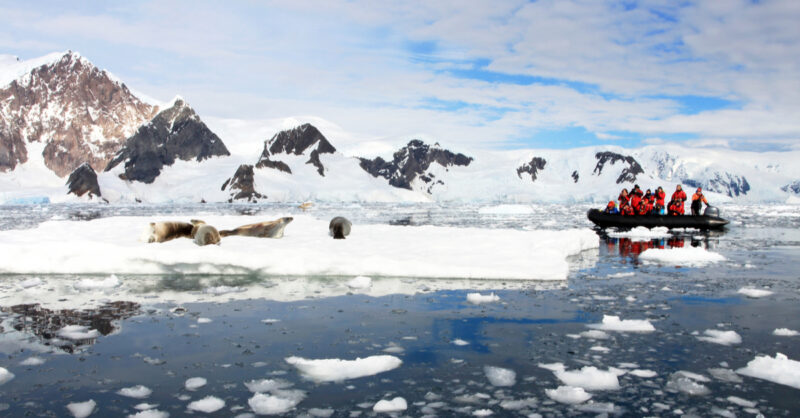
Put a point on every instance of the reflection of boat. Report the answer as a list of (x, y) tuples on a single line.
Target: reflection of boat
[(605, 220)]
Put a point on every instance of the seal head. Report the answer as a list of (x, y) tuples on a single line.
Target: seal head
[(339, 227)]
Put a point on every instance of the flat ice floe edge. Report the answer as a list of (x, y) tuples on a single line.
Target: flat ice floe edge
[(111, 246), (691, 257)]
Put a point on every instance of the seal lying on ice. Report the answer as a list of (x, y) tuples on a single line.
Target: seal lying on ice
[(165, 231), (269, 229), (339, 227), (206, 234)]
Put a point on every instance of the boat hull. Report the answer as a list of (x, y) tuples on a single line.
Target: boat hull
[(605, 220)]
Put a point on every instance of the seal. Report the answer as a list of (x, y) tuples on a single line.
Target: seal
[(268, 229), (339, 227), (306, 206), (165, 231), (206, 235)]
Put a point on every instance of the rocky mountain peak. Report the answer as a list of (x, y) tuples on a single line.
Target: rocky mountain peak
[(83, 180), (302, 140), (628, 173), (78, 111)]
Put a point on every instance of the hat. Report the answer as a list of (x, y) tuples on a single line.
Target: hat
[(612, 204)]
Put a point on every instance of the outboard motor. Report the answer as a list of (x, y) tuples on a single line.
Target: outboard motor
[(711, 211)]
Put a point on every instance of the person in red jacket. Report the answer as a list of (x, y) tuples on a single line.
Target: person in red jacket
[(697, 198), (660, 196), (680, 196), (626, 210), (675, 207), (644, 207), (623, 198), (636, 197)]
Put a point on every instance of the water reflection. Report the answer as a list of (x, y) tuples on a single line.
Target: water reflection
[(628, 248)]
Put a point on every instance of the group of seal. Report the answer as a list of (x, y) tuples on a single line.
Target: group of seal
[(204, 234)]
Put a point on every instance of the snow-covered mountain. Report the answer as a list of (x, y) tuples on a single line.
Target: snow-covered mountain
[(60, 115)]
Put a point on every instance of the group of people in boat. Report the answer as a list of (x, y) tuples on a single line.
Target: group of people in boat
[(653, 203)]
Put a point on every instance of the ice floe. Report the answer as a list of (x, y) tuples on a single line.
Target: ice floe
[(208, 404), (5, 375), (720, 337), (82, 409), (459, 342), (741, 402), (588, 377), (613, 323), (395, 405), (194, 383), (32, 361), (136, 392), (690, 257), (754, 293), (92, 284), (477, 298), (337, 370), (785, 332), (568, 394), (267, 385), (360, 282), (77, 332), (150, 413), (641, 233), (264, 404), (689, 383), (499, 376), (643, 373), (780, 369), (33, 282)]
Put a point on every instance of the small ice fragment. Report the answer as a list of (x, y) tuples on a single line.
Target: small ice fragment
[(568, 395), (208, 405), (613, 323), (221, 290), (785, 332), (270, 404), (395, 405), (477, 298), (741, 402), (270, 321), (31, 282), (590, 377), (145, 406), (77, 332), (690, 256), (136, 392), (337, 370), (320, 412), (643, 373), (595, 334), (482, 413), (722, 412), (204, 320), (82, 409), (150, 413), (754, 293), (90, 284), (515, 405), (780, 369), (32, 361), (685, 382), (720, 337), (499, 376), (600, 348), (725, 375), (194, 383), (360, 282), (459, 342)]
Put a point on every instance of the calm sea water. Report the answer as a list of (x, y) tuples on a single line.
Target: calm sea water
[(159, 346)]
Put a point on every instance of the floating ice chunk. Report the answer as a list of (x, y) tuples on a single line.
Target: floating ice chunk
[(785, 332), (32, 361), (780, 369), (506, 209), (208, 404), (590, 377), (360, 282), (595, 334), (741, 402), (5, 375), (90, 284), (202, 320), (725, 375), (459, 342), (620, 275), (643, 373), (723, 412), (641, 233), (690, 256), (600, 348), (754, 293), (395, 405), (136, 392), (194, 383), (613, 323), (685, 382), (600, 408), (221, 290), (482, 413), (270, 320), (270, 404), (320, 412), (267, 385), (568, 395), (77, 332), (337, 370), (393, 349), (31, 282), (82, 409), (477, 298), (720, 337), (515, 405), (145, 406), (150, 413), (499, 376)]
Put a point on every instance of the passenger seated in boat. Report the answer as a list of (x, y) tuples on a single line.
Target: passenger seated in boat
[(611, 208), (660, 196), (675, 207), (627, 210), (624, 198), (697, 202), (644, 207), (680, 196), (636, 197)]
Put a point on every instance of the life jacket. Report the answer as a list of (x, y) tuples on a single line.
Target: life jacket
[(679, 195), (627, 210), (623, 199), (644, 208), (636, 200), (676, 207), (660, 197)]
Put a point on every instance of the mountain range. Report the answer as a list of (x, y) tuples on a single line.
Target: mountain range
[(71, 132)]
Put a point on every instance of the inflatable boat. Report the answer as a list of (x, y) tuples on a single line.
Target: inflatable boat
[(709, 220)]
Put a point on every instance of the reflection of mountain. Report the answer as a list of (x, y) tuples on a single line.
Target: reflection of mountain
[(45, 323)]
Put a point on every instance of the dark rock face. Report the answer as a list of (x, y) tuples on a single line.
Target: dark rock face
[(725, 183), (575, 176), (76, 110), (303, 140), (242, 186), (628, 174), (532, 167), (411, 162), (793, 187), (175, 133), (84, 180)]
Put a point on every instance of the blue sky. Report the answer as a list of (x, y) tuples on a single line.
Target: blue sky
[(480, 74)]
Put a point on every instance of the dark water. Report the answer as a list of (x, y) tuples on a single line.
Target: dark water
[(156, 346)]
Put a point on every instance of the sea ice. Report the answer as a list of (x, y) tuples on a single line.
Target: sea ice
[(202, 320), (477, 298), (641, 233), (499, 376), (32, 361), (785, 332), (77, 332), (137, 392), (741, 402), (690, 256), (459, 342), (643, 373), (589, 377), (222, 290), (686, 382), (720, 337), (145, 406), (91, 284), (31, 282), (725, 375), (208, 404), (150, 413), (754, 293), (360, 282), (568, 395), (482, 413), (613, 323), (82, 409), (270, 404), (779, 369), (321, 412), (5, 375), (267, 385), (194, 383), (337, 370), (395, 405)]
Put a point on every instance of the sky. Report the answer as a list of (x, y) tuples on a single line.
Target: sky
[(500, 74)]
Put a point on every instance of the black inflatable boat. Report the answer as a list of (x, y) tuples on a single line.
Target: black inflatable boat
[(705, 221)]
